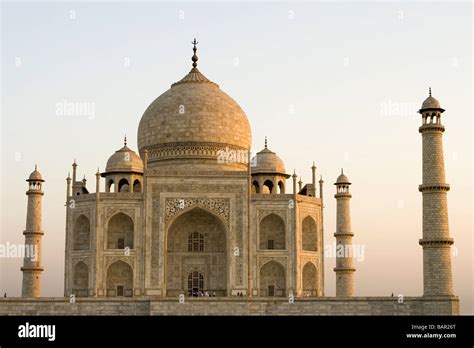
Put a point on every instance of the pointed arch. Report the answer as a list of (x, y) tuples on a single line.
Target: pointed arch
[(137, 186), (81, 233), (309, 238), (120, 232), (272, 233), (119, 280), (255, 187), (281, 187), (272, 279), (310, 280), (80, 282), (267, 186), (110, 186), (201, 207), (123, 185)]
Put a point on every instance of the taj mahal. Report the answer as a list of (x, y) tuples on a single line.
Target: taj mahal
[(192, 223)]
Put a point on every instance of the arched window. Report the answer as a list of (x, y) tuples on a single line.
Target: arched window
[(272, 233), (120, 232), (310, 279), (124, 186), (111, 186), (137, 186), (267, 187), (81, 234), (196, 242), (281, 187), (255, 187), (120, 279), (195, 283), (81, 280), (309, 235), (272, 279)]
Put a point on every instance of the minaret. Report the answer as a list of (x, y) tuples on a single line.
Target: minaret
[(32, 269), (313, 180), (344, 265), (66, 248), (321, 182), (436, 243), (74, 171), (294, 176)]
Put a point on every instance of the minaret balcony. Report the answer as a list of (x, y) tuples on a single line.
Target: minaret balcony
[(342, 195), (431, 128), (344, 269), (436, 242), (436, 187), (344, 234)]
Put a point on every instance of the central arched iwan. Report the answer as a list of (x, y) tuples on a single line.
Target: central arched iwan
[(196, 242)]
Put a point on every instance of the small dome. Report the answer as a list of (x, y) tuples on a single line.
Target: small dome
[(267, 162), (431, 103), (35, 176), (124, 160), (342, 179)]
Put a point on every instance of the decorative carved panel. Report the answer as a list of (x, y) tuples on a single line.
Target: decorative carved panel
[(220, 206)]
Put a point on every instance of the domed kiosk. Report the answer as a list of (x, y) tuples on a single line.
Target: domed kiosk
[(124, 171), (268, 172)]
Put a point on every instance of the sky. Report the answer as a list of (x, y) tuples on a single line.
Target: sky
[(338, 83)]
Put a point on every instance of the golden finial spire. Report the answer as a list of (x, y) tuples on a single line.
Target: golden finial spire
[(195, 57), (430, 91), (266, 142), (125, 140)]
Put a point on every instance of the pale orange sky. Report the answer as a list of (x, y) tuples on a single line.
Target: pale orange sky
[(337, 83)]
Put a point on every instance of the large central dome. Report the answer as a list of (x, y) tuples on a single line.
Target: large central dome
[(191, 123)]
